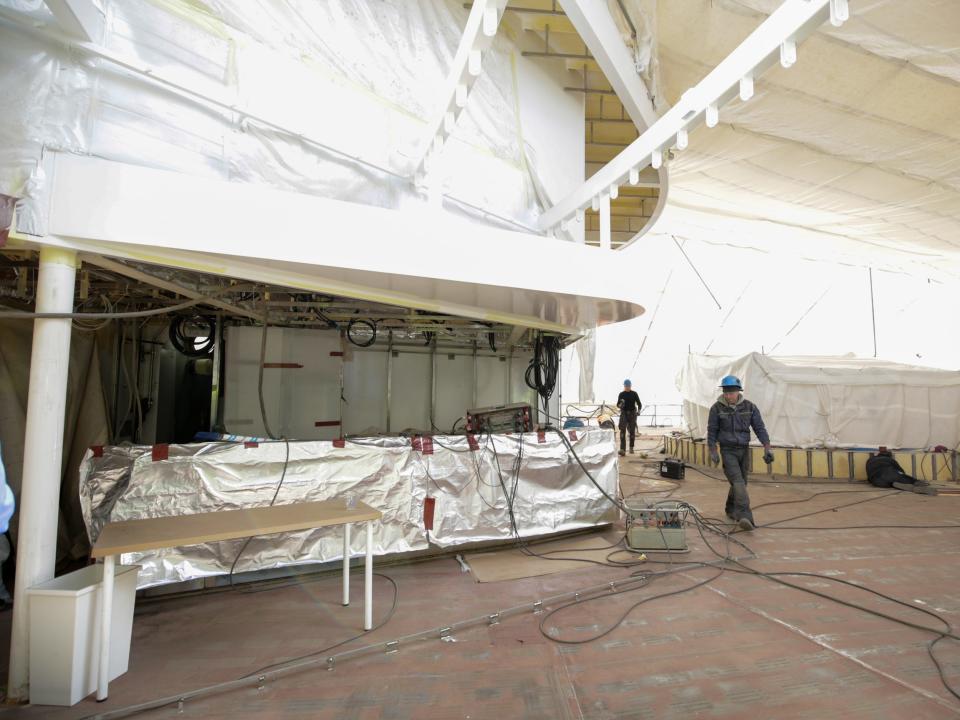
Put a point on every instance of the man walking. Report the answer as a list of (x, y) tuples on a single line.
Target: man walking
[(629, 403), (731, 418)]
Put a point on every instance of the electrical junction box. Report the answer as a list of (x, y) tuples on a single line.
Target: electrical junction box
[(672, 468), (517, 417), (657, 527)]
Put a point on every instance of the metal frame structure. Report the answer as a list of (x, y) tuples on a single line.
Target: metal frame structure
[(776, 38), (482, 24)]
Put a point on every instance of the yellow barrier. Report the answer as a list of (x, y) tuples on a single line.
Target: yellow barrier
[(822, 463)]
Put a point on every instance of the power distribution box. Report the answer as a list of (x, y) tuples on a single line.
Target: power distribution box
[(657, 527)]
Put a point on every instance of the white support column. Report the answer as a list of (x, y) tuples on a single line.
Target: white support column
[(605, 241), (368, 580), (43, 451), (106, 614), (346, 564), (78, 18), (595, 25)]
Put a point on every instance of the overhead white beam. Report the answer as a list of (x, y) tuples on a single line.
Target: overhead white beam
[(599, 32), (793, 21), (251, 232), (482, 24), (78, 18)]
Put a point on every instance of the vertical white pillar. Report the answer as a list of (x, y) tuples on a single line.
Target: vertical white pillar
[(43, 451), (346, 564), (368, 580), (605, 242), (106, 620)]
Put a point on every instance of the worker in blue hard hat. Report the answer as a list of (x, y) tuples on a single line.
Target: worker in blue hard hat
[(629, 403), (731, 418)]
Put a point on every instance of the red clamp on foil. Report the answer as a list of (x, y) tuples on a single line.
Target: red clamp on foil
[(573, 435), (428, 506), (97, 450), (416, 444), (472, 441), (541, 436), (427, 442), (160, 452), (249, 444), (339, 443)]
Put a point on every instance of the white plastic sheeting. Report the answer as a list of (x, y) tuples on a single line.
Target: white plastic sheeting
[(320, 98), (852, 154), (831, 402), (550, 493)]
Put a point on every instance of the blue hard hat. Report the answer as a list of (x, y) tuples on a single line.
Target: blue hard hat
[(731, 381), (627, 382)]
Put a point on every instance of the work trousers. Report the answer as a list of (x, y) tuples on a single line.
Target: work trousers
[(735, 460), (628, 422)]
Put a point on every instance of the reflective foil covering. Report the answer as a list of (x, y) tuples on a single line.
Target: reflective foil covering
[(395, 475)]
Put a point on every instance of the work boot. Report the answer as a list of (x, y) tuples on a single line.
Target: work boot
[(631, 451), (922, 488), (745, 524), (621, 453)]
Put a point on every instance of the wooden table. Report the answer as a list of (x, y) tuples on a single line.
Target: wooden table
[(163, 532)]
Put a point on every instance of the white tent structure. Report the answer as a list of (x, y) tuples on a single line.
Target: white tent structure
[(831, 402), (781, 168), (821, 216)]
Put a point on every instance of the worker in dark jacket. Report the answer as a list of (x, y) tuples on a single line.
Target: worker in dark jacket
[(883, 471), (629, 403), (731, 418)]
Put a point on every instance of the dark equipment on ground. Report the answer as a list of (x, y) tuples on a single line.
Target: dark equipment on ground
[(672, 468)]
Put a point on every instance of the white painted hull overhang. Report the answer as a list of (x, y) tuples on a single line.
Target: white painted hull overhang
[(424, 260)]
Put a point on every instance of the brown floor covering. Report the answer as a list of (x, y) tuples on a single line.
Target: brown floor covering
[(737, 647)]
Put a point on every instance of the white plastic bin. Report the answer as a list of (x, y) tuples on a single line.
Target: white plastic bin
[(65, 633)]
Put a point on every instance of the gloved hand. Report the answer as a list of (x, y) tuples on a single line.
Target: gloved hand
[(768, 457), (714, 457)]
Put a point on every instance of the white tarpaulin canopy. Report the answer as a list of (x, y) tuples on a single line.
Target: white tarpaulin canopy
[(830, 401)]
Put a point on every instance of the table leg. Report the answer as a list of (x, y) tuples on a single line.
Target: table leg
[(368, 581), (106, 608), (346, 564)]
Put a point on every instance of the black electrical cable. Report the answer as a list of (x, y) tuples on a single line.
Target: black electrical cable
[(187, 345), (815, 495), (263, 357), (283, 475), (702, 524), (544, 368), (291, 661), (373, 332)]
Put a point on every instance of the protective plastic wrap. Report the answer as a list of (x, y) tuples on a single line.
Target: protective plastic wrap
[(470, 488), (330, 99), (831, 402)]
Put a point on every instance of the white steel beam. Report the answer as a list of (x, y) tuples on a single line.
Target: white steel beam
[(775, 39), (594, 24), (78, 18), (482, 24)]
